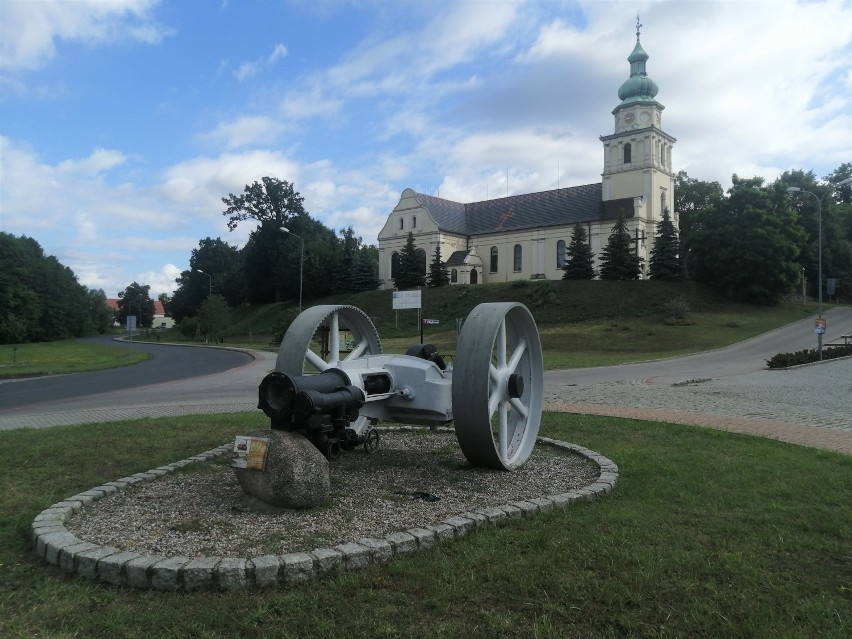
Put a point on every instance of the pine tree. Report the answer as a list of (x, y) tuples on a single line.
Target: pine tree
[(665, 254), (366, 274), (619, 261), (412, 272), (438, 275), (581, 260)]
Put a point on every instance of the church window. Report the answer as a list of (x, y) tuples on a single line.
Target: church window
[(627, 153), (493, 259), (421, 255), (560, 254), (401, 224), (662, 203), (414, 221), (518, 258), (394, 265), (454, 276), (663, 154)]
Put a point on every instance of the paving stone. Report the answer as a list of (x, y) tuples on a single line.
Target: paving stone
[(461, 525), (52, 543), (137, 570), (165, 574), (231, 574), (266, 569), (382, 550), (86, 562), (111, 569), (442, 531), (297, 567), (425, 537), (326, 560), (68, 555), (354, 555), (198, 573), (402, 543)]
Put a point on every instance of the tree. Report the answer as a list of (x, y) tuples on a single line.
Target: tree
[(749, 244), (412, 269), (438, 275), (214, 318), (274, 201), (40, 299), (100, 314), (221, 271), (366, 277), (135, 300), (693, 199), (665, 254), (619, 261), (581, 260)]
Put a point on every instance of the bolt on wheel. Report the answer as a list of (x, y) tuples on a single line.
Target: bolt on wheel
[(497, 385)]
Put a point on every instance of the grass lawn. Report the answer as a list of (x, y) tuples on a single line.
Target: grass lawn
[(69, 356), (707, 534)]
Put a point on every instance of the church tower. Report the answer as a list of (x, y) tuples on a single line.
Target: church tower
[(638, 156)]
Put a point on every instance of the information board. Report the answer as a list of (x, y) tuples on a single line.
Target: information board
[(406, 299)]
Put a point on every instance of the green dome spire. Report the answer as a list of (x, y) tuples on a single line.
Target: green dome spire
[(639, 87)]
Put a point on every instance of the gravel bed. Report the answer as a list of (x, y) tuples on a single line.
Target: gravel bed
[(197, 512)]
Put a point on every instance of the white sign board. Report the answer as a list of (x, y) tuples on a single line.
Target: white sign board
[(406, 299)]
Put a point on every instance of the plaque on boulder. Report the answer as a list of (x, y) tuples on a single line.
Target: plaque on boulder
[(294, 474)]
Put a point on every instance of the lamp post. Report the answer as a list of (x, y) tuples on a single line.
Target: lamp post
[(793, 190), (209, 281), (284, 229)]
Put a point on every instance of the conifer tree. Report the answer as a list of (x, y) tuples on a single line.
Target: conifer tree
[(665, 254), (619, 261), (438, 275), (412, 272), (581, 260)]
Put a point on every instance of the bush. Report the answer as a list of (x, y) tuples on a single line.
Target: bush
[(677, 311), (807, 356)]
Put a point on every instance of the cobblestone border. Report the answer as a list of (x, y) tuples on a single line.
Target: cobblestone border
[(57, 546)]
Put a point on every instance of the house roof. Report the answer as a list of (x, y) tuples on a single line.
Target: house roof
[(112, 302), (531, 210), (457, 258)]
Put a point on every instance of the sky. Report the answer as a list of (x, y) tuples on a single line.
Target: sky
[(123, 123)]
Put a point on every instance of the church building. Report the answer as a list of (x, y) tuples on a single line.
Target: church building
[(526, 236)]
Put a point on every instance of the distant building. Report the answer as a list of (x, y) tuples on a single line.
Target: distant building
[(160, 318), (526, 236)]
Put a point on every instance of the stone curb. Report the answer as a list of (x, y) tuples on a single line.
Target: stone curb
[(59, 547)]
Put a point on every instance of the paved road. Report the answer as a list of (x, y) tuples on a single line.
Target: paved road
[(739, 387)]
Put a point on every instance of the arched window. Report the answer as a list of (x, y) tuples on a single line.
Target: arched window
[(474, 278), (454, 276), (421, 258), (560, 254), (518, 262), (627, 153), (394, 265), (663, 154), (414, 221), (493, 259), (662, 203), (401, 224)]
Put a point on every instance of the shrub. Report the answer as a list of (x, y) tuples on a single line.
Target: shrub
[(807, 356), (677, 311)]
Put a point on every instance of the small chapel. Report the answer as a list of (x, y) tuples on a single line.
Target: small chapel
[(526, 236)]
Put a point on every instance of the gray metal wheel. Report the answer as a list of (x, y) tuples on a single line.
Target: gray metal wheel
[(498, 382), (313, 342)]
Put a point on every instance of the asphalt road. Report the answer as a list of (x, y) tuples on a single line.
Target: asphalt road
[(185, 380), (167, 364)]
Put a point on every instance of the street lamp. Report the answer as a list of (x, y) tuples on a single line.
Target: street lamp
[(284, 229), (793, 190), (209, 281)]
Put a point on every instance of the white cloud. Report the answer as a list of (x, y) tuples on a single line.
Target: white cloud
[(250, 69), (29, 30)]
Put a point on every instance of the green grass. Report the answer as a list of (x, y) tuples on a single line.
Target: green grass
[(708, 534), (46, 358)]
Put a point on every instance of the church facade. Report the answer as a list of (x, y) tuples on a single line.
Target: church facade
[(526, 236)]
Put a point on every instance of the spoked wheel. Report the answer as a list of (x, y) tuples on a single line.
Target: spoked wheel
[(498, 383), (313, 343)]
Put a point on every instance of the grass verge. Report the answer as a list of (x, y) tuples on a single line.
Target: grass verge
[(70, 356), (708, 534)]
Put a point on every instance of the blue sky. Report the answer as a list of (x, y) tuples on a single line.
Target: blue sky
[(123, 123)]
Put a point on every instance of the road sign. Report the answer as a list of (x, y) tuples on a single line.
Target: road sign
[(431, 322), (820, 326)]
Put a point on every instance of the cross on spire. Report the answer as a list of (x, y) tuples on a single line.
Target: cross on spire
[(638, 27)]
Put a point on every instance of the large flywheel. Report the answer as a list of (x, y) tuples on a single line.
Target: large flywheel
[(498, 383), (322, 337)]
